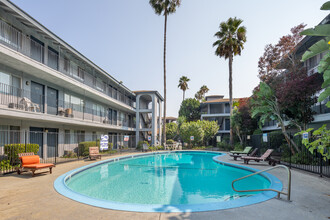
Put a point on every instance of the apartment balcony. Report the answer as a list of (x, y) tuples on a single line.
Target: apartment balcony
[(211, 115), (223, 131), (312, 70), (16, 103), (35, 57)]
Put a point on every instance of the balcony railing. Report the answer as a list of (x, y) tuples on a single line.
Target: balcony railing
[(20, 99), (16, 40), (321, 108)]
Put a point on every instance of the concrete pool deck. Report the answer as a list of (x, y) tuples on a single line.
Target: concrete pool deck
[(24, 197)]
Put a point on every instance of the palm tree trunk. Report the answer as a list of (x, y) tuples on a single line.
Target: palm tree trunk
[(183, 95), (231, 95), (164, 122)]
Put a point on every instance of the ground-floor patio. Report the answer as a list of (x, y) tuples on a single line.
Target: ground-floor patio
[(24, 197)]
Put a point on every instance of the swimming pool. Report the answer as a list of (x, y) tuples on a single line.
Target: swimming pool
[(179, 181)]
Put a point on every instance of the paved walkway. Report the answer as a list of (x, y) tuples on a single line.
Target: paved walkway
[(24, 197)]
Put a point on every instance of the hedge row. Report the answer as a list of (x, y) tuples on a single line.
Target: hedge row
[(12, 151), (83, 147)]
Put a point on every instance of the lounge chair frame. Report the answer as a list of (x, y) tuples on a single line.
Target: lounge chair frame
[(94, 153), (264, 157), (33, 170)]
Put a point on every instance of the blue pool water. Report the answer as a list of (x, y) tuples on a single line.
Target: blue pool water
[(162, 180)]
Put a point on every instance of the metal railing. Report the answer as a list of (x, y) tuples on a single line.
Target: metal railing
[(56, 147), (288, 193), (29, 46), (20, 99), (301, 158)]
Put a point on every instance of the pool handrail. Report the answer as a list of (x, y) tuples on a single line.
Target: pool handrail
[(288, 193)]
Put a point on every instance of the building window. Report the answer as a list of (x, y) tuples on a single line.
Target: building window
[(227, 108), (76, 103), (67, 137), (227, 124), (15, 135), (10, 35), (37, 50), (52, 58), (79, 136), (10, 84), (66, 65), (94, 136), (98, 110), (100, 84), (80, 73)]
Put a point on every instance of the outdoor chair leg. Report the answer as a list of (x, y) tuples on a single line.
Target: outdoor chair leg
[(50, 170)]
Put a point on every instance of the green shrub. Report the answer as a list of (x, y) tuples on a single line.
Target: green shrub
[(238, 147), (140, 144), (5, 165), (170, 141), (223, 145), (69, 154), (161, 147), (257, 131), (83, 147), (156, 148), (109, 151), (194, 128), (199, 148), (171, 130), (12, 151)]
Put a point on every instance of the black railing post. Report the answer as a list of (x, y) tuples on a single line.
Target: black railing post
[(56, 148), (321, 164), (25, 139), (290, 150)]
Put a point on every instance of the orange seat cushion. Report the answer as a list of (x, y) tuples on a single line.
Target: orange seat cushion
[(26, 160), (39, 165)]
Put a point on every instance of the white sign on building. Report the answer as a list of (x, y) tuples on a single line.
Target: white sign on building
[(264, 137), (104, 142), (305, 135)]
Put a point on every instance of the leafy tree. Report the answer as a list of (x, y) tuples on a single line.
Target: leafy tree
[(241, 120), (171, 130), (164, 7), (265, 105), (183, 84), (193, 128), (231, 39), (295, 98), (280, 57), (210, 129), (181, 120), (281, 69), (321, 141), (190, 109), (322, 30), (200, 95)]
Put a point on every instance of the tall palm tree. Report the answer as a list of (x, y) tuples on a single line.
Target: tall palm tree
[(231, 39), (200, 94), (204, 90), (183, 84), (164, 7)]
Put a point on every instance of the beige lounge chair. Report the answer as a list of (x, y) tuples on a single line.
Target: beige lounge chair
[(94, 153), (264, 157)]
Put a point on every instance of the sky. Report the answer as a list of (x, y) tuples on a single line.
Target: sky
[(125, 38)]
